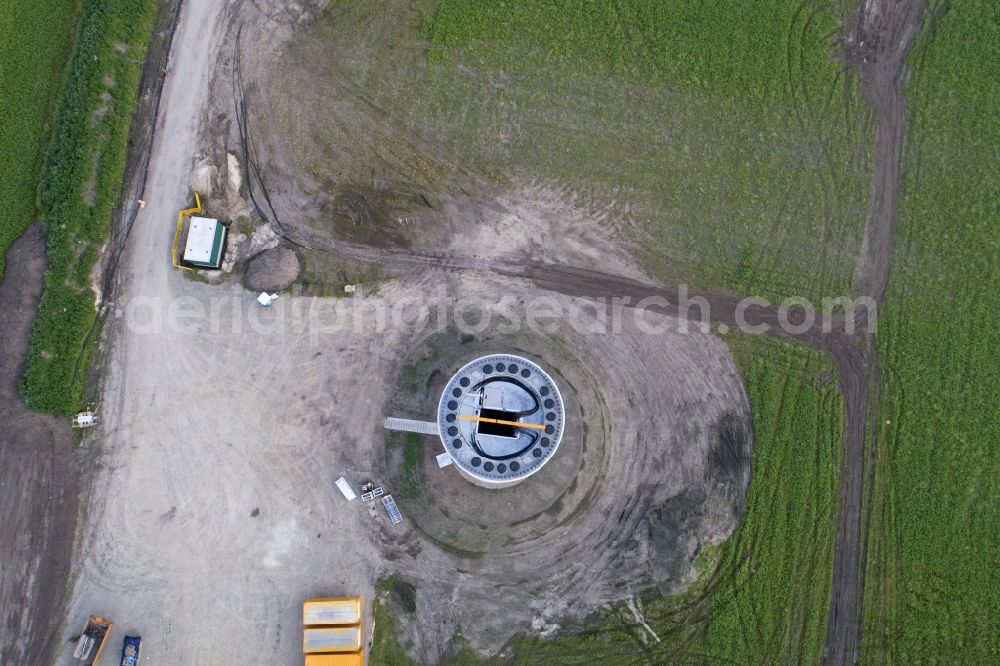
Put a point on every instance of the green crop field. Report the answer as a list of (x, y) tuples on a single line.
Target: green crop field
[(80, 183), (36, 39), (720, 140), (727, 48), (764, 594), (931, 593), (773, 594)]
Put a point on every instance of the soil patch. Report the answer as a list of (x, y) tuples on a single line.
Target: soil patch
[(272, 270), (38, 477)]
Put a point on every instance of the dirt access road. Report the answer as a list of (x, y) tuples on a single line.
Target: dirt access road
[(172, 541), (882, 38)]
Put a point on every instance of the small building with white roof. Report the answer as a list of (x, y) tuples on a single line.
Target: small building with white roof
[(206, 239)]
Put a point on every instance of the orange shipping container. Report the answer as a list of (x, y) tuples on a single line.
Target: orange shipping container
[(343, 659)]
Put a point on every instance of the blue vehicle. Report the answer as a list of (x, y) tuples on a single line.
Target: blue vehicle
[(130, 650)]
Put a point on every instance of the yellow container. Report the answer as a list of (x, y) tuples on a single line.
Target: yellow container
[(331, 639), (343, 659), (326, 611)]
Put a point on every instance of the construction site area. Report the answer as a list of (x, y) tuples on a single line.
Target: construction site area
[(352, 359), (214, 510)]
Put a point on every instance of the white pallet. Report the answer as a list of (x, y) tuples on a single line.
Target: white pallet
[(390, 508)]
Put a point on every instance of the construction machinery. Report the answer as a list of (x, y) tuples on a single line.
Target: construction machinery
[(91, 642), (131, 647), (331, 631)]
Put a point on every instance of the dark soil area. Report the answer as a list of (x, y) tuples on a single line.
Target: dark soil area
[(39, 478), (272, 270)]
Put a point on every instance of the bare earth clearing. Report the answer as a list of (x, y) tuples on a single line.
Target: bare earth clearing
[(212, 511), (213, 514)]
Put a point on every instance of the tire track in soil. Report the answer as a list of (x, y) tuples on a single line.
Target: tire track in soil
[(39, 477), (848, 352), (809, 116), (887, 29)]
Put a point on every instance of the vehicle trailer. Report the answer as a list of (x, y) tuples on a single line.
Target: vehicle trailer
[(91, 643), (131, 648)]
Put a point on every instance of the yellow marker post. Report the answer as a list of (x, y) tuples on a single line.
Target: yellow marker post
[(180, 226)]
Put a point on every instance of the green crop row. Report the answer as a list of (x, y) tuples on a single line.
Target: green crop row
[(80, 185), (774, 599), (727, 48), (36, 39), (931, 591)]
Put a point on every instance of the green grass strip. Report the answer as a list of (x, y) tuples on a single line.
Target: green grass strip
[(80, 185)]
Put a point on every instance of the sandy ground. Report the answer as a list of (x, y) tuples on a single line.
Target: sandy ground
[(213, 512)]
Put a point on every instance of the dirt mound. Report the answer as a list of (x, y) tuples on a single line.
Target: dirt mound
[(272, 270)]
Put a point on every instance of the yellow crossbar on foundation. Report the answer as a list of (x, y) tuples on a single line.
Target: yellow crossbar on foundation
[(536, 426)]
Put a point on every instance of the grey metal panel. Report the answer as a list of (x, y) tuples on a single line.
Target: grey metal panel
[(409, 425), (390, 508)]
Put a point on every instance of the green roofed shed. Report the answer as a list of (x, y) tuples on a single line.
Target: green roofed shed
[(205, 240)]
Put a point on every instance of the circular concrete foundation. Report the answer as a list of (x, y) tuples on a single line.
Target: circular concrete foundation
[(500, 419)]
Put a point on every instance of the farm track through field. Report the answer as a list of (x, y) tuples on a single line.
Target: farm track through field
[(887, 30)]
